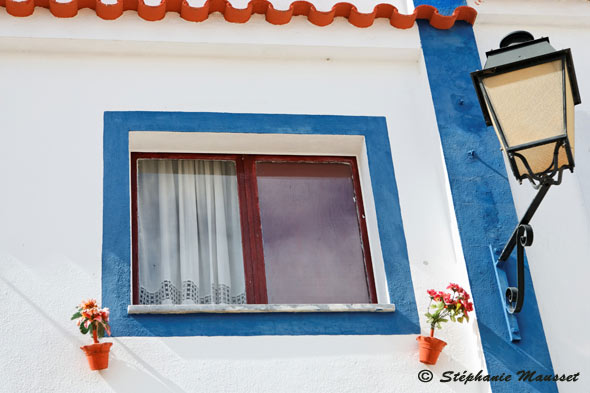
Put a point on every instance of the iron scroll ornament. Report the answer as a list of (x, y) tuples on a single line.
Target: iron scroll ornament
[(515, 296)]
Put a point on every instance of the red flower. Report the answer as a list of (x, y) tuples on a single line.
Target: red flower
[(438, 296), (455, 288), (431, 292), (447, 298), (467, 306)]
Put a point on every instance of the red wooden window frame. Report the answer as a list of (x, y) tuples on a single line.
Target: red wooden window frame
[(252, 246)]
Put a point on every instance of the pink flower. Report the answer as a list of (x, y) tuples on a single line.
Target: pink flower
[(104, 313), (90, 316), (431, 292)]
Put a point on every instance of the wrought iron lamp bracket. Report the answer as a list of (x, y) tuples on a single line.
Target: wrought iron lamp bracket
[(522, 237)]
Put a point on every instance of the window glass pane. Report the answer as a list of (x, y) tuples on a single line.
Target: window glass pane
[(190, 245), (310, 229)]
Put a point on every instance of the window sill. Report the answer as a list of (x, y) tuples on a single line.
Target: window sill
[(256, 308)]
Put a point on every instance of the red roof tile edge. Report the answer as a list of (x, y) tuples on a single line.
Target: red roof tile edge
[(237, 15)]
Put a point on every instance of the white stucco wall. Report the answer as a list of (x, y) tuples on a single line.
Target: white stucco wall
[(558, 259), (61, 75)]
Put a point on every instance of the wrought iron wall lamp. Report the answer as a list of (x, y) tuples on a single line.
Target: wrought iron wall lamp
[(527, 90)]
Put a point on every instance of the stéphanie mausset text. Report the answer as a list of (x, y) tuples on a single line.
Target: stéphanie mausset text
[(521, 376)]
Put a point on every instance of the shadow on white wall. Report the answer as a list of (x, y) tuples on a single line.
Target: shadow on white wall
[(123, 376)]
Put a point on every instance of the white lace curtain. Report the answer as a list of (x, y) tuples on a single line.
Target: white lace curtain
[(190, 247)]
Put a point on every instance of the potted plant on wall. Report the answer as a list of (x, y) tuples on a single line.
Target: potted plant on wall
[(93, 319), (444, 306)]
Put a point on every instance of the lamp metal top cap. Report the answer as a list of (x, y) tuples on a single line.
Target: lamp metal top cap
[(516, 37)]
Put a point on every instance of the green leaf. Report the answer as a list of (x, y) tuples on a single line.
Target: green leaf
[(100, 331), (460, 319), (452, 318), (443, 320), (76, 316), (83, 329)]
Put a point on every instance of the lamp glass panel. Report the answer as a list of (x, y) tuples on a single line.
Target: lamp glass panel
[(540, 158), (528, 103)]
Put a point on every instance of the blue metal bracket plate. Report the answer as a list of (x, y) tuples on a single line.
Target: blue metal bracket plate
[(502, 280)]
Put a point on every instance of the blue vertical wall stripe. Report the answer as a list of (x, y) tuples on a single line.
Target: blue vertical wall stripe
[(483, 205), (116, 256)]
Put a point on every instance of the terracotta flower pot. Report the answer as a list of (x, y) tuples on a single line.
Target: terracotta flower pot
[(430, 348), (97, 355)]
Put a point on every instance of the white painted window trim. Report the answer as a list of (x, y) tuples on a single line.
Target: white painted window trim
[(277, 144)]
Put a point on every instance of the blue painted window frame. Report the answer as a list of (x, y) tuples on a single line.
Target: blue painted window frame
[(116, 247)]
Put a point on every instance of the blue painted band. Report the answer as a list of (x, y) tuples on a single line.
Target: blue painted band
[(483, 205), (116, 249)]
